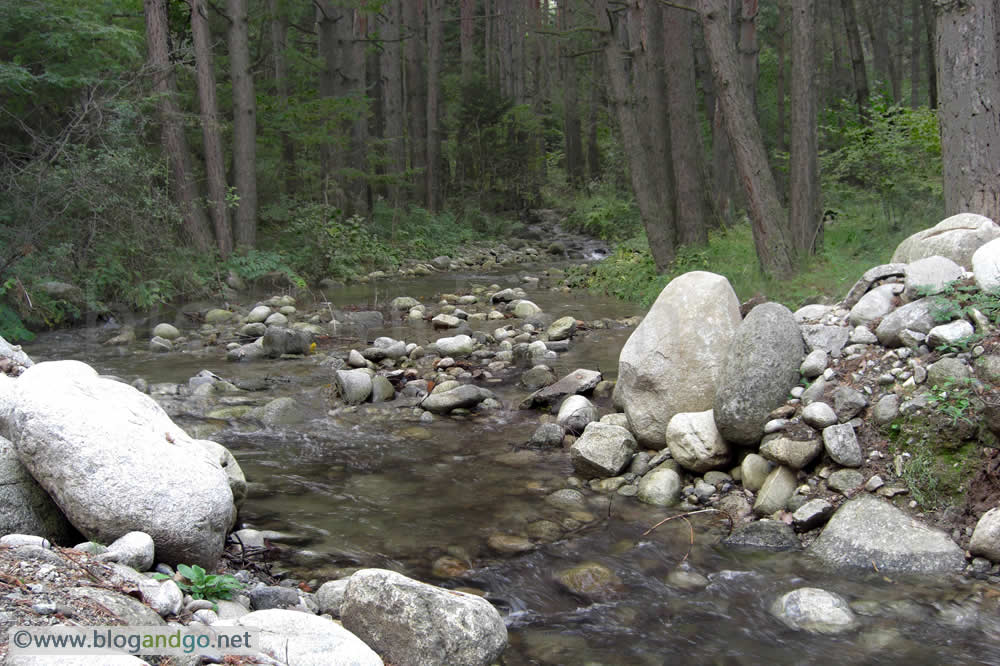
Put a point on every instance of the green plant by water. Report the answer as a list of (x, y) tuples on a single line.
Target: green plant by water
[(203, 585)]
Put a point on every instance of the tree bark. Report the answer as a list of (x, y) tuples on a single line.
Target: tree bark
[(415, 95), (782, 48), (279, 44), (435, 35), (968, 75), (915, 43), (572, 125), (861, 91), (391, 71), (929, 23), (775, 251), (805, 220), (749, 48), (175, 144), (244, 125), (687, 152), (648, 193), (467, 39), (594, 168), (215, 163)]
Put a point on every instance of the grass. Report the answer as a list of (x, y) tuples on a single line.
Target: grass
[(862, 235)]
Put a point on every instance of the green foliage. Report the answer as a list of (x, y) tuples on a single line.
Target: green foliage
[(954, 398), (11, 327), (959, 299), (606, 214), (202, 585), (896, 155)]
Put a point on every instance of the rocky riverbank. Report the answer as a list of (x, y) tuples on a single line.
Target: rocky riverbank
[(857, 432)]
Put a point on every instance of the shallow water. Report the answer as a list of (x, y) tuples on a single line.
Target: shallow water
[(374, 486)]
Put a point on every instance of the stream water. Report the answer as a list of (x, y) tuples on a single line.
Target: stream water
[(375, 486)]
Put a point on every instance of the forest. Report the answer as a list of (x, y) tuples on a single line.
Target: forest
[(151, 149)]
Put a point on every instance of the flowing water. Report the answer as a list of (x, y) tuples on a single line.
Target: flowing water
[(375, 486)]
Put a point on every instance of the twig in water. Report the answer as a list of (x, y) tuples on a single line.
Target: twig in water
[(685, 515)]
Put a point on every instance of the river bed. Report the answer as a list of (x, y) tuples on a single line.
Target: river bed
[(376, 486)]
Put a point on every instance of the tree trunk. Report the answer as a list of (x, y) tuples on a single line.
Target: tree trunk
[(415, 95), (331, 51), (771, 237), (932, 86), (279, 44), (749, 48), (244, 125), (466, 39), (685, 134), (968, 57), (594, 167), (355, 180), (172, 131), (215, 163), (391, 71), (435, 35), (873, 14), (915, 39), (782, 46), (572, 126), (655, 216), (861, 91), (805, 220)]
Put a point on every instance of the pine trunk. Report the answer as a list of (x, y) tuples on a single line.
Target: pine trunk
[(968, 74), (391, 71), (215, 162), (771, 237), (175, 144), (861, 91), (244, 125), (804, 217), (435, 35), (415, 95), (279, 44)]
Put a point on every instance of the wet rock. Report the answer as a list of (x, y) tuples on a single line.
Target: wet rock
[(815, 611), (672, 361), (761, 365), (459, 345), (867, 532), (567, 499), (278, 341), (464, 396), (771, 535), (695, 442), (575, 413), (218, 316), (548, 434), (160, 345), (537, 377), (353, 386), (562, 328), (273, 596), (842, 445), (685, 578), (602, 450), (280, 411), (591, 581), (446, 321), (524, 308), (660, 487), (401, 303), (167, 331), (382, 389), (578, 381), (259, 314)]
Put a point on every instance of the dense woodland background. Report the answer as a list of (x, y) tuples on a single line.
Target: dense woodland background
[(151, 148)]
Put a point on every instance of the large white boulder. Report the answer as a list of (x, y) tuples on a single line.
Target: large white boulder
[(413, 623), (956, 237), (114, 461), (672, 361), (25, 507)]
